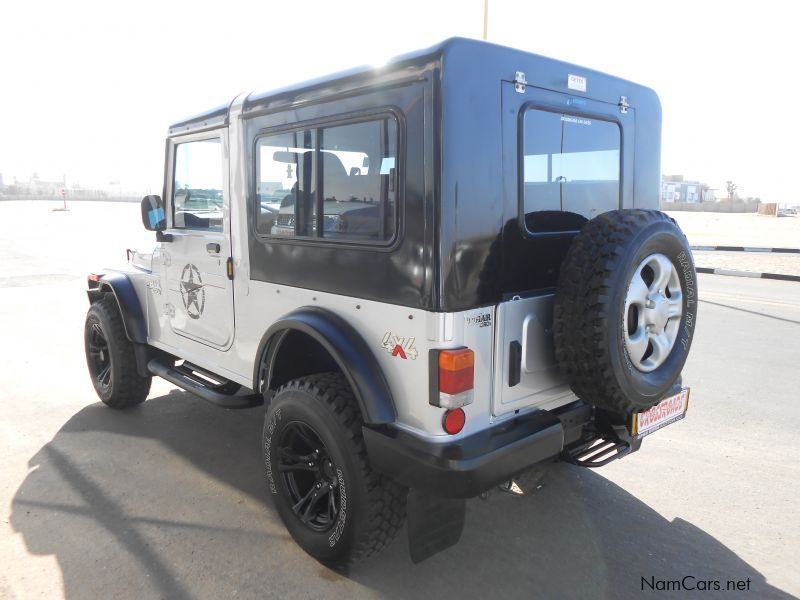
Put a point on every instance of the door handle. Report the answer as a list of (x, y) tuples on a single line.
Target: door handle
[(514, 363), (212, 248)]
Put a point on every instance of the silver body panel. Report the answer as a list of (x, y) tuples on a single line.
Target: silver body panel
[(238, 312)]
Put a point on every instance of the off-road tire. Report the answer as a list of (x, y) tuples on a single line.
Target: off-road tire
[(589, 313), (126, 387), (375, 507)]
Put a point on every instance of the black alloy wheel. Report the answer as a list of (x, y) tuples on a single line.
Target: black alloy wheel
[(309, 475), (99, 358), (333, 504), (110, 356)]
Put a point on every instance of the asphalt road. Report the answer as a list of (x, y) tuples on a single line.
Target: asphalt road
[(167, 500)]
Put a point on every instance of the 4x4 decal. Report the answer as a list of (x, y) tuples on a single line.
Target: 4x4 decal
[(192, 292), (399, 346)]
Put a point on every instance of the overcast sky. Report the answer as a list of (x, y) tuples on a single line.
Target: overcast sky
[(88, 89)]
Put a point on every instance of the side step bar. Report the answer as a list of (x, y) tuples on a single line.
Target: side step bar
[(597, 452), (205, 385)]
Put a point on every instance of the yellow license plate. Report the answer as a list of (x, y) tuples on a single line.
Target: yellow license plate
[(662, 414)]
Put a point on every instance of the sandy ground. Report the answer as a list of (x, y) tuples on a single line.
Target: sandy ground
[(168, 500), (751, 262), (716, 229), (719, 229)]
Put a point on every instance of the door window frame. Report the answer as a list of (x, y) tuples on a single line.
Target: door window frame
[(338, 120), (169, 184)]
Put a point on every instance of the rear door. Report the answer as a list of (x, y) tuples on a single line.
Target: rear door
[(564, 162), (199, 294)]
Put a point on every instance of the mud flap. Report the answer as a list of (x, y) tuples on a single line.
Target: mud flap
[(434, 523)]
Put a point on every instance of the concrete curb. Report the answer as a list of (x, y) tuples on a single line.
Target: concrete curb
[(750, 274), (748, 249)]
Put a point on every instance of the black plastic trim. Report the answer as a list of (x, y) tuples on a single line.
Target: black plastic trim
[(433, 376), (205, 392), (216, 117), (471, 465), (514, 363), (128, 301), (346, 347)]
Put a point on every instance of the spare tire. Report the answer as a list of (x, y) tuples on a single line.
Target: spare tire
[(625, 310)]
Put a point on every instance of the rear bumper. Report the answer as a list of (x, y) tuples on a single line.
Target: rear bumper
[(474, 464)]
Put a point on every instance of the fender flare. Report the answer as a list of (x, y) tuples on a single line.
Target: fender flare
[(346, 347), (132, 315)]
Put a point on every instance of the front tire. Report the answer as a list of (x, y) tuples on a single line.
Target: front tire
[(110, 357), (333, 504)]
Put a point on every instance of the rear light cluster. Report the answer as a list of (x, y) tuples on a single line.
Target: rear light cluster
[(452, 377)]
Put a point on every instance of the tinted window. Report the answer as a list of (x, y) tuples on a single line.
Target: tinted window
[(570, 164), (197, 185), (334, 182), (285, 174)]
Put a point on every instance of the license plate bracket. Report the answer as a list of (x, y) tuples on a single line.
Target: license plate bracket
[(666, 412)]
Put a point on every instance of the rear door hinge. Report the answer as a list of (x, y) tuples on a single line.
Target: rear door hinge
[(229, 267), (623, 105), (520, 82)]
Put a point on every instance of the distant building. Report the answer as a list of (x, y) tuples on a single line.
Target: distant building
[(39, 187), (675, 189)]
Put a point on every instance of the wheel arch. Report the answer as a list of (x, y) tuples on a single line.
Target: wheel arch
[(124, 293), (341, 343)]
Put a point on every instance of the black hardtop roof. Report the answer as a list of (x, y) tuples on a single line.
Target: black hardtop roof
[(540, 71)]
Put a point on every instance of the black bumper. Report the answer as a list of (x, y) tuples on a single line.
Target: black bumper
[(476, 463)]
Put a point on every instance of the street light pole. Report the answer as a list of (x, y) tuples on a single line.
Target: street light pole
[(485, 20)]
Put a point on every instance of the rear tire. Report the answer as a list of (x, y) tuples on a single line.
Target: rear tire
[(110, 357), (334, 505)]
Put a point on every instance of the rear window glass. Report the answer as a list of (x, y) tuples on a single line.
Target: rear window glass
[(571, 166)]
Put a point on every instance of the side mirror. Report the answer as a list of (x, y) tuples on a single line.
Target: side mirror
[(153, 216)]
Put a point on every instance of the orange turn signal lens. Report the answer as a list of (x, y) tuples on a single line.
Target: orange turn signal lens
[(456, 371), (456, 360)]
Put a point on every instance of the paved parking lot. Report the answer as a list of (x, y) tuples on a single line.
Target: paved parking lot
[(168, 500)]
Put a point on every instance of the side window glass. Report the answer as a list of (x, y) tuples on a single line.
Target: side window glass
[(285, 179), (358, 181), (197, 195), (337, 183)]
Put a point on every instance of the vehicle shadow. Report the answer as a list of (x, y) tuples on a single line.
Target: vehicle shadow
[(168, 500)]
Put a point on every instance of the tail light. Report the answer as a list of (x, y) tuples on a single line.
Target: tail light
[(452, 377)]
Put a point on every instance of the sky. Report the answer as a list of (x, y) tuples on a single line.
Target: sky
[(88, 89)]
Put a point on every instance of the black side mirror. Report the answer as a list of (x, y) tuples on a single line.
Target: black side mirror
[(153, 216)]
